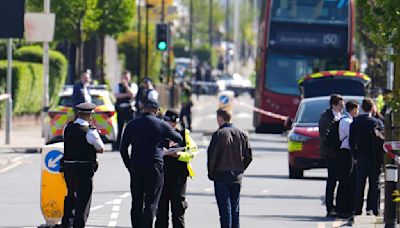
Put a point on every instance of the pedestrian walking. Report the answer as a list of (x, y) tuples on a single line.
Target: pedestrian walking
[(186, 105), (177, 169), (124, 92), (81, 143), (146, 91), (346, 171), (333, 113), (145, 162), (368, 157), (81, 92), (228, 156)]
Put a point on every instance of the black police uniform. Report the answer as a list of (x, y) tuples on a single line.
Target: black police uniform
[(124, 111), (174, 189), (78, 164), (146, 134)]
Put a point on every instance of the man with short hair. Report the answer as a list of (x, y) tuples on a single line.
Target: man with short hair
[(81, 92), (368, 157), (146, 91), (228, 156), (345, 191), (145, 163), (81, 143), (124, 91), (330, 155)]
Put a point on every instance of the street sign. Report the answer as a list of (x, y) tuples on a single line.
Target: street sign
[(225, 99), (52, 160), (53, 188), (39, 27)]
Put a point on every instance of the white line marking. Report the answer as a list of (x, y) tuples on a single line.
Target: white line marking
[(207, 189), (112, 224), (265, 191), (96, 208), (321, 225), (336, 224), (114, 215), (117, 201), (126, 194), (116, 208), (109, 202), (11, 166)]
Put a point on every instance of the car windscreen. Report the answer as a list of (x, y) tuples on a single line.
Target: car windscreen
[(67, 102), (310, 112), (328, 86), (283, 71)]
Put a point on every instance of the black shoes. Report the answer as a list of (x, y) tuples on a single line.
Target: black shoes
[(331, 214)]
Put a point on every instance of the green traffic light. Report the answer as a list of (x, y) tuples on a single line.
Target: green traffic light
[(162, 46)]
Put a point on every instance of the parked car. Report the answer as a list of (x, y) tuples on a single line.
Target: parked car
[(104, 117), (304, 139), (236, 83)]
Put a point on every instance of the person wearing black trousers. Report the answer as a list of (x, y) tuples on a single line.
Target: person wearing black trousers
[(145, 162)]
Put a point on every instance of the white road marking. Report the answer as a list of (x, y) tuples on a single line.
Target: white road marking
[(207, 189), (114, 215), (337, 224), (96, 208), (11, 166), (117, 201), (112, 224), (126, 194), (321, 225), (265, 191), (109, 202), (116, 208)]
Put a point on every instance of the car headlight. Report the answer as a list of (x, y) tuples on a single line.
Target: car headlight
[(298, 138)]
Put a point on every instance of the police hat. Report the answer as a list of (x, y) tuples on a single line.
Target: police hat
[(85, 107), (152, 104), (171, 116)]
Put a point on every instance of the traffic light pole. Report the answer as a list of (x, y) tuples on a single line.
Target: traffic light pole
[(138, 42), (9, 89)]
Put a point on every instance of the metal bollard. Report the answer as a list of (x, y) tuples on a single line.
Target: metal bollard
[(391, 179)]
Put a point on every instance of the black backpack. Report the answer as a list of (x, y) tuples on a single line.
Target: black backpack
[(332, 139)]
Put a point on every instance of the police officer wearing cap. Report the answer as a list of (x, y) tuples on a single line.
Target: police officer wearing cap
[(81, 143), (145, 135), (175, 178)]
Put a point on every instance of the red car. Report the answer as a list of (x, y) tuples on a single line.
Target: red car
[(303, 138)]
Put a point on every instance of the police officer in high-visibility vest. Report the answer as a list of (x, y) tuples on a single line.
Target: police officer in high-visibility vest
[(81, 143), (177, 169)]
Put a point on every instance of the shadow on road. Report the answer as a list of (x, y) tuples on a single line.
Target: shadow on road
[(300, 218), (277, 176), (264, 196)]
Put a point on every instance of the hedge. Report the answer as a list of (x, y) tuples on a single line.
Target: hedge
[(27, 86), (57, 67)]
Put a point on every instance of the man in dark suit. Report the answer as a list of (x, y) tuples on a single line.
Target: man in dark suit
[(329, 154), (81, 92), (145, 135), (368, 157)]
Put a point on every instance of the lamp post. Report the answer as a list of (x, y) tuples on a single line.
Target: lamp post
[(148, 6)]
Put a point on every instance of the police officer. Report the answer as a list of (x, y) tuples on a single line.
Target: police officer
[(145, 162), (124, 91), (81, 143), (175, 177)]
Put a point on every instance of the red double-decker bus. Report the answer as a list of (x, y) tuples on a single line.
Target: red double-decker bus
[(296, 38)]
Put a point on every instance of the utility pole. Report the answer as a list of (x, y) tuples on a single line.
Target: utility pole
[(236, 34), (210, 21), (191, 30), (46, 102), (226, 34), (9, 90), (139, 31), (147, 41)]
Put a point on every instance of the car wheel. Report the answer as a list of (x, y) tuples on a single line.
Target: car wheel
[(295, 173)]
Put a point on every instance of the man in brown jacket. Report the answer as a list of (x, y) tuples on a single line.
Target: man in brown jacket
[(229, 154)]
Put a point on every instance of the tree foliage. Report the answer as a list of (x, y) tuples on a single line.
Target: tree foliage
[(78, 20)]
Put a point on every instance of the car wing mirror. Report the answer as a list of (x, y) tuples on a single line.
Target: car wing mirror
[(288, 123)]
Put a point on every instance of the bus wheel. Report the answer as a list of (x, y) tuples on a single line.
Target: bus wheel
[(295, 173)]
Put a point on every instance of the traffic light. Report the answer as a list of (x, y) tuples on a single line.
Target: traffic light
[(162, 37)]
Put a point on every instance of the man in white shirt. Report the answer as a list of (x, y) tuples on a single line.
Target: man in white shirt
[(345, 191), (125, 92)]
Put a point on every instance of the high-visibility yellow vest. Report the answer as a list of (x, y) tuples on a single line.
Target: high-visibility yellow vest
[(189, 153)]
